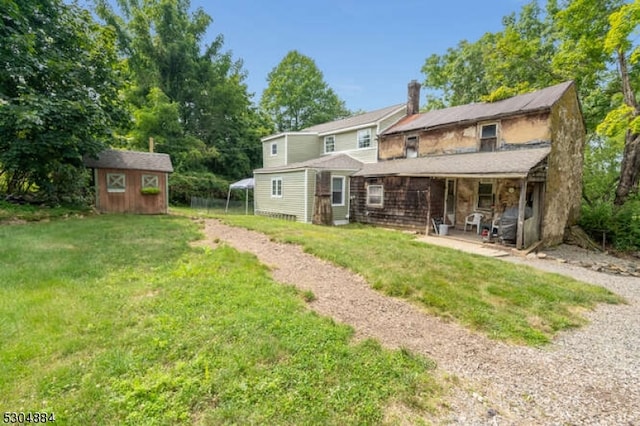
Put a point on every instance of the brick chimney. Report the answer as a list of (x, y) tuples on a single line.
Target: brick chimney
[(413, 98)]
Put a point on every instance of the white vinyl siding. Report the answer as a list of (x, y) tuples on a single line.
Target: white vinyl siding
[(391, 120), (293, 193), (303, 147), (270, 160), (347, 143)]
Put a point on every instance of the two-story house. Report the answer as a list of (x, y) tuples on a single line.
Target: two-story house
[(306, 173), (518, 159)]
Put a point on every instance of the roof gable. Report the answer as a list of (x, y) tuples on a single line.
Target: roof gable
[(530, 102), (360, 120), (327, 162), (130, 160)]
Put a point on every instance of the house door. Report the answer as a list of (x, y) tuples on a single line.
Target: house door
[(450, 202)]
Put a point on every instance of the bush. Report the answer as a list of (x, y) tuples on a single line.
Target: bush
[(626, 225), (183, 186), (621, 224)]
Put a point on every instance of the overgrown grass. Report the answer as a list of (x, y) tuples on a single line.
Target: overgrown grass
[(507, 302), (117, 320), (30, 213)]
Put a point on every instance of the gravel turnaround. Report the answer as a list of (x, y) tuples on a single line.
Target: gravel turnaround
[(589, 376)]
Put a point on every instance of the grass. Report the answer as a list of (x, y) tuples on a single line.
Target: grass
[(507, 302), (117, 320), (31, 213)]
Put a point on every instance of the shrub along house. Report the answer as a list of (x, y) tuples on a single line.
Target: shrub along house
[(131, 182), (519, 158), (306, 173)]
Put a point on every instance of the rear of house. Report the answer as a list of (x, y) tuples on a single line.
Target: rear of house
[(519, 158), (306, 173), (295, 192)]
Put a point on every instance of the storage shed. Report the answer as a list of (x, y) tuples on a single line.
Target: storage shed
[(131, 182)]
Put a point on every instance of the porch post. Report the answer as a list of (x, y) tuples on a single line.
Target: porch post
[(427, 231), (521, 209)]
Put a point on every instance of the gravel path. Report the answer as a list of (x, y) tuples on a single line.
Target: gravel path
[(589, 376)]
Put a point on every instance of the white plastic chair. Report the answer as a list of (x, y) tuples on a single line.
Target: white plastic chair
[(495, 226), (473, 219)]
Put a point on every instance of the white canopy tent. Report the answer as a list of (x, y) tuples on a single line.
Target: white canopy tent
[(245, 184)]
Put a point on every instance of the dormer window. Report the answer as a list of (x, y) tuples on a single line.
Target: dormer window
[(364, 138), (488, 137), (329, 144)]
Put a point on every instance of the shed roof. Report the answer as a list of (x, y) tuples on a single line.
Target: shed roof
[(131, 160), (530, 102), (328, 162), (515, 163)]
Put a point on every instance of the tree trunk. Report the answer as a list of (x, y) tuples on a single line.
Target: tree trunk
[(630, 164), (629, 168)]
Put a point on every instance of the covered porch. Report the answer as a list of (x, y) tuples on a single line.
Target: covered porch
[(505, 190)]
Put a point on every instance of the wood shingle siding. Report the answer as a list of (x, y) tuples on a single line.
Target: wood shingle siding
[(407, 201)]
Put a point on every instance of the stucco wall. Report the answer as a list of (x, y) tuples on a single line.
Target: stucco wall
[(465, 137)]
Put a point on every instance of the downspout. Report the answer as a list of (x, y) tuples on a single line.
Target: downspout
[(347, 190), (306, 195), (521, 209), (286, 149)]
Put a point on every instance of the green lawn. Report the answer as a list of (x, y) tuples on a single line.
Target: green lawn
[(505, 301), (117, 320)]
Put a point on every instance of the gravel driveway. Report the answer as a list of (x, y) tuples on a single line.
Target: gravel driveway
[(588, 376)]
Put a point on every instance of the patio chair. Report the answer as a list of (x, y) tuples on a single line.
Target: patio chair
[(473, 219), (495, 226)]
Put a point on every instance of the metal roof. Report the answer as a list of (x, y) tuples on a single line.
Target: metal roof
[(327, 162), (516, 163), (131, 160), (530, 102)]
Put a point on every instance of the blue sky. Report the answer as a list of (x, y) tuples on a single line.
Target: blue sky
[(368, 51)]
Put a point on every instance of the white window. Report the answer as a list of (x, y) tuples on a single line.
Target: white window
[(274, 148), (375, 195), (337, 191), (485, 195), (276, 187), (116, 182), (329, 143), (488, 137), (150, 181), (364, 138)]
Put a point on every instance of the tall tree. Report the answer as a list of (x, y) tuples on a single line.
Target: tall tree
[(571, 39), (297, 95), (625, 22), (163, 43), (498, 65), (58, 94)]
